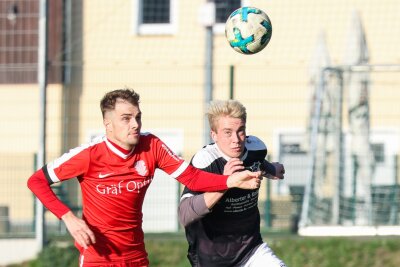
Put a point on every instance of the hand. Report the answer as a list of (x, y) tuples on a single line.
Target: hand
[(79, 230), (233, 165), (244, 179), (279, 171)]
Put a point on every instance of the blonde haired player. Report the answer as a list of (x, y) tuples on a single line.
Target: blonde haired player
[(223, 228)]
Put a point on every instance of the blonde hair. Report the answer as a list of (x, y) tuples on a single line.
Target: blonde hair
[(230, 108)]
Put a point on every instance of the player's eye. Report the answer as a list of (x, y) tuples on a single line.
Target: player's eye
[(228, 133)]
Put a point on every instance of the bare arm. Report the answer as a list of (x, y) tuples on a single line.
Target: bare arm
[(232, 166)]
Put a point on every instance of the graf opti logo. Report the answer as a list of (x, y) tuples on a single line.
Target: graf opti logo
[(122, 187)]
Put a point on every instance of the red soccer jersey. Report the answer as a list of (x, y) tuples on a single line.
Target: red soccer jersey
[(113, 184)]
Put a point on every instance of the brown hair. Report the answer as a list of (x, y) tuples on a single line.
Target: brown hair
[(107, 103)]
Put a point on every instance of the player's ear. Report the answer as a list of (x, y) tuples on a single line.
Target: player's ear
[(213, 136), (107, 123)]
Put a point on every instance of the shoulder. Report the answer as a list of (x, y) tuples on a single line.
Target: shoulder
[(82, 153), (148, 136), (149, 139), (205, 156), (93, 145), (255, 143)]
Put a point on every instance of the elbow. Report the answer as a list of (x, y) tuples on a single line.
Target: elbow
[(30, 183), (183, 220), (36, 181)]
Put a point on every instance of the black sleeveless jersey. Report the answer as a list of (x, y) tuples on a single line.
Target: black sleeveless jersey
[(229, 234)]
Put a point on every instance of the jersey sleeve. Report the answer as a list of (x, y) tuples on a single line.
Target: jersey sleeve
[(192, 206), (191, 209), (40, 186), (198, 180), (70, 165), (186, 174)]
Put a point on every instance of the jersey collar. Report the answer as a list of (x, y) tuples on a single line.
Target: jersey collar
[(119, 151)]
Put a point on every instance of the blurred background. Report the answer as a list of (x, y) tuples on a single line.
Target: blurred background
[(322, 95)]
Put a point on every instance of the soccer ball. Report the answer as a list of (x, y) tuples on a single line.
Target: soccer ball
[(248, 30)]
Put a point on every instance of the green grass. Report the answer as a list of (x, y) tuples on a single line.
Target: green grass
[(169, 250)]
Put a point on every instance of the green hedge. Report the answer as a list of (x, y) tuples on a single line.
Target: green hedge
[(170, 250)]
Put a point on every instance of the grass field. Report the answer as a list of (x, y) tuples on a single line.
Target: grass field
[(169, 250), (297, 251)]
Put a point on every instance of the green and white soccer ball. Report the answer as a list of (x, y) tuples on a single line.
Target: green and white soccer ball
[(248, 30)]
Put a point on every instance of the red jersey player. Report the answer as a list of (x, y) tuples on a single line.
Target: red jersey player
[(114, 173)]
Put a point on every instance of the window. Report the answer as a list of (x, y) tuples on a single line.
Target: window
[(19, 35), (156, 11), (155, 16), (223, 9)]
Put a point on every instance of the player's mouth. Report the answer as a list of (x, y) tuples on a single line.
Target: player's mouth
[(237, 149), (134, 134)]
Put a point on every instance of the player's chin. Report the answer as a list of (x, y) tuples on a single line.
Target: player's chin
[(133, 140), (236, 153)]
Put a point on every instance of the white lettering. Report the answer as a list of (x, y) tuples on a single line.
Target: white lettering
[(112, 190), (131, 186), (100, 188), (172, 154), (232, 200)]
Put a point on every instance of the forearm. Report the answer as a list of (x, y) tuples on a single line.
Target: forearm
[(201, 181), (38, 184), (211, 198)]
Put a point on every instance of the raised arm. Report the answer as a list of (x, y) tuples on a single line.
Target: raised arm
[(198, 180)]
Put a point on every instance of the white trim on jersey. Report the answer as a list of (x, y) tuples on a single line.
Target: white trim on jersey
[(67, 156), (205, 157), (187, 195), (117, 151), (226, 157), (180, 170), (81, 260), (209, 153)]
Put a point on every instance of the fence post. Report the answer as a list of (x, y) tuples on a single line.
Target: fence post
[(4, 220)]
